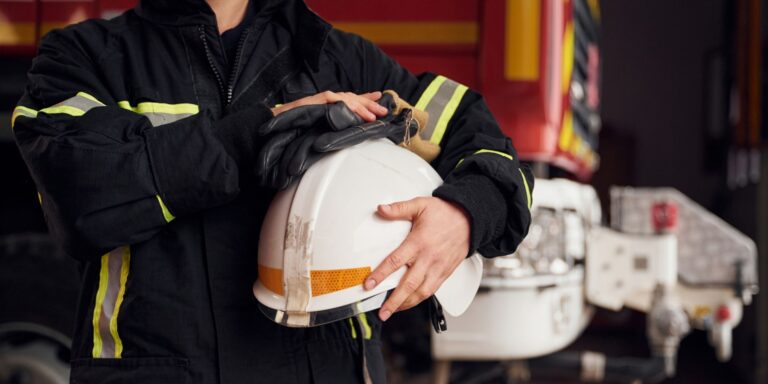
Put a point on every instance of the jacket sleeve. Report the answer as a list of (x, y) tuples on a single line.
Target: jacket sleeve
[(478, 162), (106, 176)]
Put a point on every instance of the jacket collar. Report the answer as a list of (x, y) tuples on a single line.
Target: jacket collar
[(309, 30)]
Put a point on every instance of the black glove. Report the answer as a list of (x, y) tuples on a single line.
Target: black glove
[(288, 150), (395, 128)]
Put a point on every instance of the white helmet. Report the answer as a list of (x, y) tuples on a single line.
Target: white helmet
[(322, 237)]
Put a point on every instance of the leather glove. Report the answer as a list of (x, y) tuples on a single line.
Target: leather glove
[(402, 126), (398, 129), (288, 150)]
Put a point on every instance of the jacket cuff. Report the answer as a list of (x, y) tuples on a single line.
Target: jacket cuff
[(483, 202), (192, 171), (237, 133)]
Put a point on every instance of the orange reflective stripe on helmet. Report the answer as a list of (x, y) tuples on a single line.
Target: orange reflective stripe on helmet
[(323, 281)]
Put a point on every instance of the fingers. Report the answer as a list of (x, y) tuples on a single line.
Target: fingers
[(407, 251), (340, 117), (305, 155), (401, 256), (270, 153), (360, 110), (375, 96), (428, 288), (402, 210), (364, 105), (409, 284)]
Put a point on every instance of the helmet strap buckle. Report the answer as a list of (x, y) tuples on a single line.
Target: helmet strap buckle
[(436, 315)]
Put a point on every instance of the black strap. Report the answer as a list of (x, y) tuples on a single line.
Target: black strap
[(436, 315)]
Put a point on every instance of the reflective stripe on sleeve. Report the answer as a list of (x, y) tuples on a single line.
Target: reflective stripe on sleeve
[(113, 275), (499, 153), (161, 113), (22, 111), (166, 213), (527, 189), (76, 105), (508, 156), (82, 102), (440, 100)]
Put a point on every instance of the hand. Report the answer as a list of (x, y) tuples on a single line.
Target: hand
[(364, 105), (290, 135), (437, 244), (398, 129)]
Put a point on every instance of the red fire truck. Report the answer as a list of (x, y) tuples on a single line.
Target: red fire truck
[(535, 61)]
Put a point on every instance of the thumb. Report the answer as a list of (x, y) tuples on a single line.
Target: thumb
[(401, 210)]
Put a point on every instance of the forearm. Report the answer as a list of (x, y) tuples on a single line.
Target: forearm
[(109, 178)]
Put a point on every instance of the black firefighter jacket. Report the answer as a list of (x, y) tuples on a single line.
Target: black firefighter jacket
[(118, 129)]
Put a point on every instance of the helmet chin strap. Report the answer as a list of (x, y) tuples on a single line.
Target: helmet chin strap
[(436, 315)]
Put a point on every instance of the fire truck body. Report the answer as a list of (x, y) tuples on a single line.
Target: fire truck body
[(522, 55)]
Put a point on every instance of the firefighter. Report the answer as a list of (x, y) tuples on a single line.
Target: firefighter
[(143, 135)]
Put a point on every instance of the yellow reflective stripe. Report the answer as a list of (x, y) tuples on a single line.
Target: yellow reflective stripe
[(368, 333), (89, 97), (166, 213), (71, 106), (65, 109), (100, 294), (151, 107), (448, 111), (527, 190), (40, 198), (352, 327), (430, 92), (124, 268), (502, 154), (22, 111)]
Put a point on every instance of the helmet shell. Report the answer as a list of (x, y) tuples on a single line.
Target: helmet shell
[(323, 232)]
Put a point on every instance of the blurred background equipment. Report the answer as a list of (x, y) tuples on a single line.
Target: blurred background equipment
[(675, 93)]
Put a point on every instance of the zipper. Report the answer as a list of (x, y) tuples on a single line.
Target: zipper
[(201, 30), (226, 91), (236, 65)]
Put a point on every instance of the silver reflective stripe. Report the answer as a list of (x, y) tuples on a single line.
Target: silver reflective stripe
[(81, 101), (161, 113), (165, 118), (437, 105), (113, 276)]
